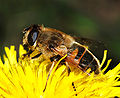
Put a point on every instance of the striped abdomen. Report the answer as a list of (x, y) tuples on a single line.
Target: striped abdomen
[(81, 57)]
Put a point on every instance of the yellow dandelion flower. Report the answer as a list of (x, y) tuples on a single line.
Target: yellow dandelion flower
[(27, 79)]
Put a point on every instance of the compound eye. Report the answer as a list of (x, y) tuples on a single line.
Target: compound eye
[(32, 37)]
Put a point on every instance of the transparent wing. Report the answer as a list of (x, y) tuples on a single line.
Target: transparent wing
[(96, 47)]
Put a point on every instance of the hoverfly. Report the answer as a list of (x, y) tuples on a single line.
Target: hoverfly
[(54, 44)]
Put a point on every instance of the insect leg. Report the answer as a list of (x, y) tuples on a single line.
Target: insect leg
[(27, 54), (51, 68), (36, 56)]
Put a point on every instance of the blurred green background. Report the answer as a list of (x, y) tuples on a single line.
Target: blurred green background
[(94, 19)]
